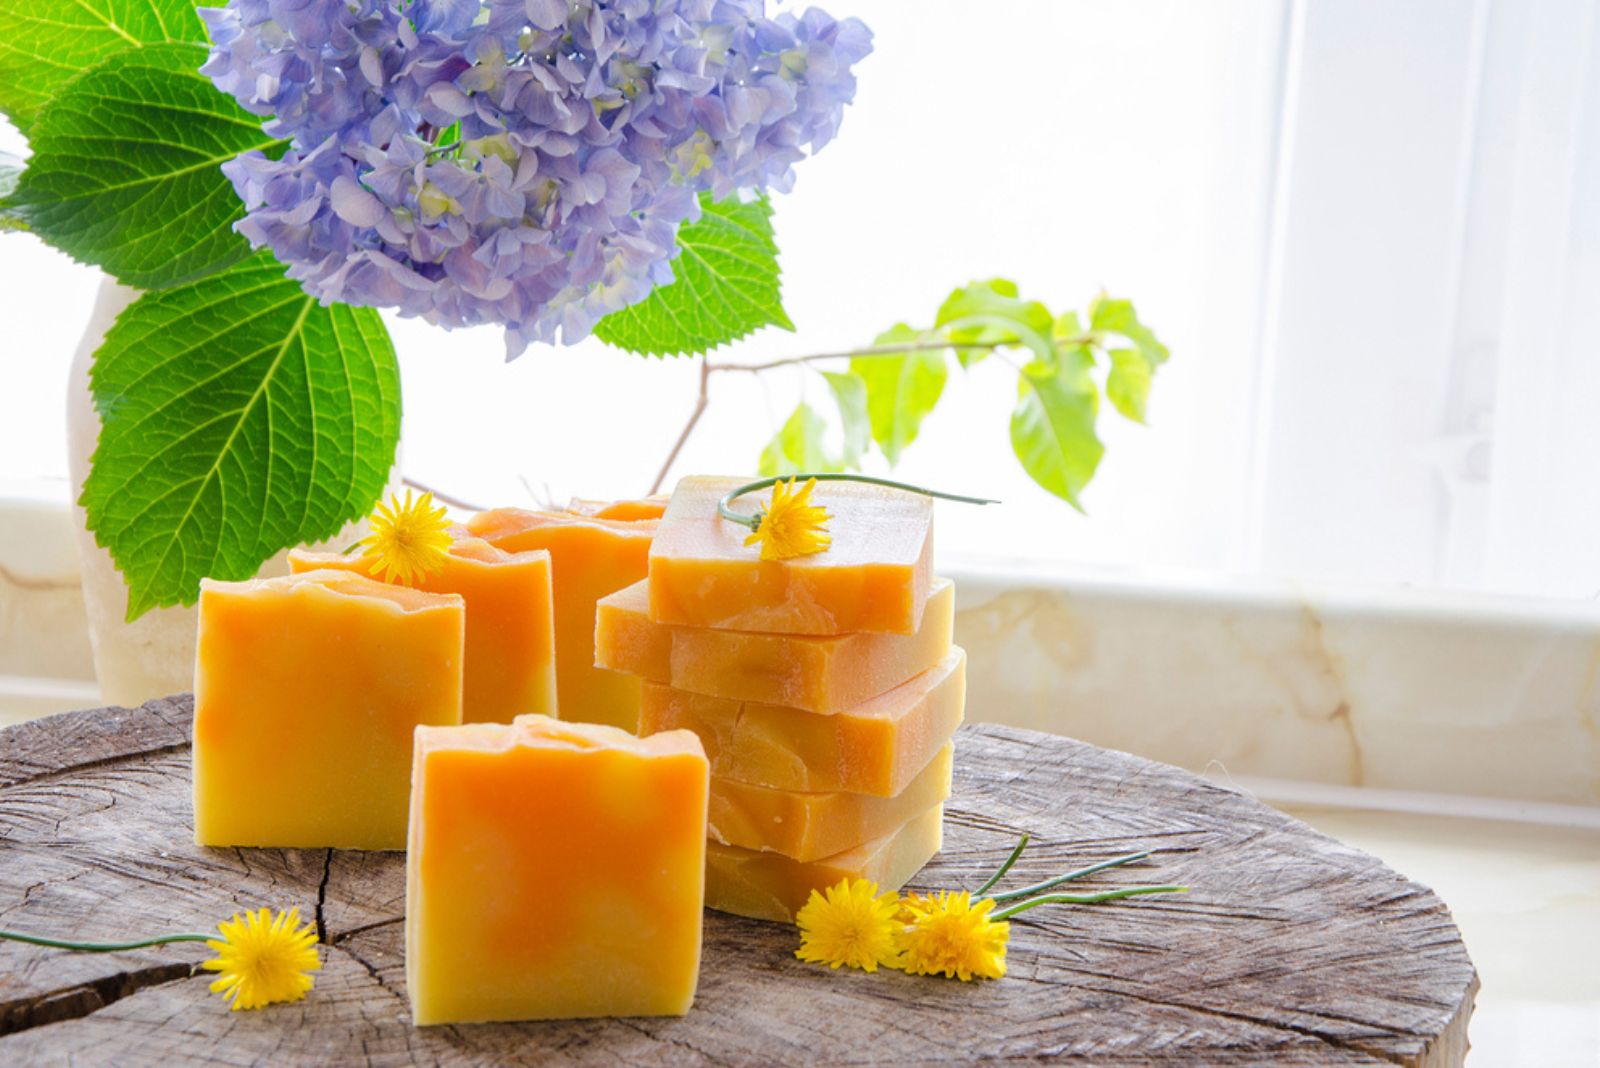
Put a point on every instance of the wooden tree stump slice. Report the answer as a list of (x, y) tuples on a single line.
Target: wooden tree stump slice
[(1292, 949)]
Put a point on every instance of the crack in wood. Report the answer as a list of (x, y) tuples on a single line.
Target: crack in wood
[(322, 896), (81, 999)]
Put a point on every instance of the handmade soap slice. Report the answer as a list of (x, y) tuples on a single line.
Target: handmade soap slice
[(768, 886), (809, 826), (813, 672), (590, 558), (874, 577), (554, 870), (307, 689), (510, 654), (639, 508), (876, 747)]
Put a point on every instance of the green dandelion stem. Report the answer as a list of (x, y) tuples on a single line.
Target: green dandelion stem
[(1086, 899), (1037, 888), (103, 947), (1022, 843), (753, 521)]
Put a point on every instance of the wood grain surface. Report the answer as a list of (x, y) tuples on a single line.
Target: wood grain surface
[(1292, 949)]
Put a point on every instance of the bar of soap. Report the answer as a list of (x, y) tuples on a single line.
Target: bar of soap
[(877, 747), (769, 886), (639, 508), (810, 826), (875, 576), (590, 558), (510, 654), (554, 870), (307, 690), (815, 672)]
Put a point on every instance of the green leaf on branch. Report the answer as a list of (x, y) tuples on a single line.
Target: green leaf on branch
[(239, 417), (902, 388), (125, 169), (850, 391), (1108, 316), (1052, 426), (1128, 382), (798, 446), (726, 286), (44, 44), (990, 313)]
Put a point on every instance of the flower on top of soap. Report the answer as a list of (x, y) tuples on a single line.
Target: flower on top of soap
[(263, 958), (409, 540), (789, 525)]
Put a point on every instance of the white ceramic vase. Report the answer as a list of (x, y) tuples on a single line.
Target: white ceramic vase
[(152, 656)]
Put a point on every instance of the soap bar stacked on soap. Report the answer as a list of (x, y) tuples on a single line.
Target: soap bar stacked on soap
[(825, 689)]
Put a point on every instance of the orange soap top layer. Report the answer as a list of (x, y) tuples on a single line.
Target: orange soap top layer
[(767, 886), (642, 508), (814, 672), (554, 870), (875, 576), (810, 826), (590, 558), (510, 652), (876, 747), (307, 690)]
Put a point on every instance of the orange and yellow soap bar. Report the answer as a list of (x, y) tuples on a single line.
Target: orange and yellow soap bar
[(810, 826), (770, 886), (876, 575), (818, 673), (510, 667), (590, 557), (554, 870), (875, 748), (307, 690)]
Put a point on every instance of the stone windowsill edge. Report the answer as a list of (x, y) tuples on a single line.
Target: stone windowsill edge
[(1424, 692)]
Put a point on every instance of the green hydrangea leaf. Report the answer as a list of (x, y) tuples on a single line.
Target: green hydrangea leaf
[(1128, 382), (239, 417), (850, 392), (1052, 426), (1109, 316), (44, 44), (901, 388), (726, 286), (991, 313), (798, 446), (125, 169)]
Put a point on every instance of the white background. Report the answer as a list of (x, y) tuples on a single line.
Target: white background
[(1369, 233)]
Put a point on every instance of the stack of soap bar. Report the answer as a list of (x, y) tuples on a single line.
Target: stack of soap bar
[(554, 870), (824, 689), (307, 690), (510, 652), (593, 553)]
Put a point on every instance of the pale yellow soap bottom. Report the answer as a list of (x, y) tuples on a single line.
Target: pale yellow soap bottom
[(769, 886)]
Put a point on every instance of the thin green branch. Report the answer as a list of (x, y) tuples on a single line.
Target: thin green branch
[(1086, 899), (1022, 843), (1036, 888), (103, 947)]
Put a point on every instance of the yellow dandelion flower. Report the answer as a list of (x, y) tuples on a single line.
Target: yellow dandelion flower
[(790, 525), (851, 925), (408, 540), (264, 958), (949, 935)]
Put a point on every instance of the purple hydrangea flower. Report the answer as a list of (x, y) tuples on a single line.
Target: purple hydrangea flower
[(521, 162)]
